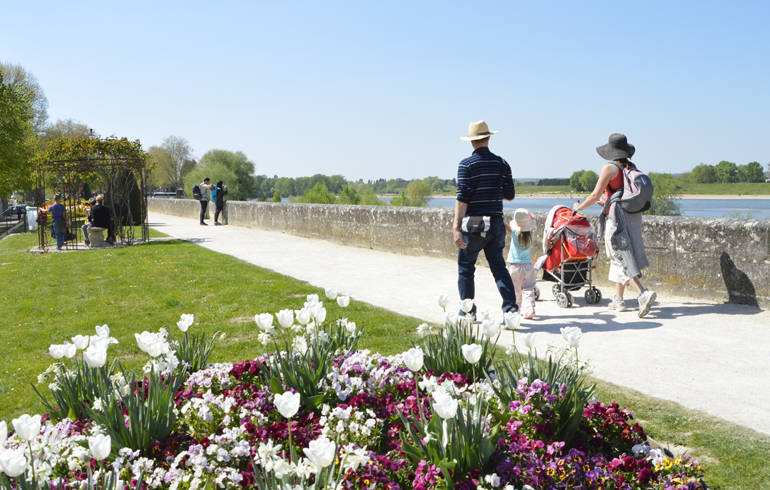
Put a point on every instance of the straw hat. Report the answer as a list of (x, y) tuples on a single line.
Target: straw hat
[(477, 130), (522, 220)]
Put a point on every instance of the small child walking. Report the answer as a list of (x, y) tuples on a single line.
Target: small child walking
[(520, 262)]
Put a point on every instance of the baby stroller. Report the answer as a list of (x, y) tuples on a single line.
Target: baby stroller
[(569, 243)]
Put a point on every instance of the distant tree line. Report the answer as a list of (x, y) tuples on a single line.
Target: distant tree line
[(725, 172)]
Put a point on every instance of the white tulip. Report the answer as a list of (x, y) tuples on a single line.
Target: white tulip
[(100, 446), (27, 427), (56, 351), (319, 313), (331, 293), (413, 358), (528, 339), (572, 335), (343, 301), (287, 404), (13, 462), (151, 343), (512, 320), (321, 452), (451, 317), (101, 342), (69, 350), (185, 321), (304, 315), (471, 352), (285, 318), (444, 404), (95, 356), (443, 299), (80, 341), (103, 330), (466, 305), (3, 432), (490, 329), (264, 321), (312, 299)]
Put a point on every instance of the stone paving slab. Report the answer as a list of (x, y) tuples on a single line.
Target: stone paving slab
[(705, 356)]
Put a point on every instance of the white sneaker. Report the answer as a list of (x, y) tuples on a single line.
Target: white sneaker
[(617, 304), (646, 300)]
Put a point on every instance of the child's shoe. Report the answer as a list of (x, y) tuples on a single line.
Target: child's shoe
[(617, 304), (646, 299), (529, 316)]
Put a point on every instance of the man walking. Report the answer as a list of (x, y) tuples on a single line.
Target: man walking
[(483, 181), (205, 189)]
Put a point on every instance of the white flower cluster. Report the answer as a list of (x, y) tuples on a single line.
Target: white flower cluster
[(350, 425), (94, 347)]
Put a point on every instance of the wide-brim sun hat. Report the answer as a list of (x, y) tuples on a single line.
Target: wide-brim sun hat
[(478, 130), (617, 148), (522, 220)]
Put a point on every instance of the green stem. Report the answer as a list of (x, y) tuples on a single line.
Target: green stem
[(32, 462)]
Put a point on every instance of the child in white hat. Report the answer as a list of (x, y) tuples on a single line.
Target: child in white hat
[(520, 262)]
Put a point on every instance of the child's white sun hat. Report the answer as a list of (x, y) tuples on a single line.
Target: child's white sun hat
[(522, 220)]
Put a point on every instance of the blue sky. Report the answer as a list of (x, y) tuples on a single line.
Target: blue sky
[(384, 89)]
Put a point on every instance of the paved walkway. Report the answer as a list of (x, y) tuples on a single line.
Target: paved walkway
[(705, 356)]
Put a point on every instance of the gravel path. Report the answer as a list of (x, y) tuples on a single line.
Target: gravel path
[(705, 356)]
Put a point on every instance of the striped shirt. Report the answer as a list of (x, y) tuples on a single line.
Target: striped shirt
[(483, 181)]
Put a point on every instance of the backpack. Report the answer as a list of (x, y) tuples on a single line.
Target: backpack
[(197, 192), (637, 190)]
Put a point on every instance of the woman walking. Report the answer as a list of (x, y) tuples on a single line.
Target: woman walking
[(622, 231)]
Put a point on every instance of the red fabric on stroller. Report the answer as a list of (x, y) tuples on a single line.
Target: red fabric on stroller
[(573, 232)]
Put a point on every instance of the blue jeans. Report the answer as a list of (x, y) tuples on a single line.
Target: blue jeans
[(493, 245)]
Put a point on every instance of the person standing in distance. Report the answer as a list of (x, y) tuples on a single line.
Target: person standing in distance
[(483, 181), (206, 187)]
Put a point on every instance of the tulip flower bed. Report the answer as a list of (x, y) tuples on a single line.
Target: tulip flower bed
[(313, 411)]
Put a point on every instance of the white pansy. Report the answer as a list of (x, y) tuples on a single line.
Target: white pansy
[(287, 404), (27, 427), (95, 356), (493, 480), (264, 338), (264, 321), (299, 344), (343, 301), (444, 404), (424, 329), (331, 293), (185, 321), (413, 358), (80, 341), (100, 446), (471, 352), (13, 462), (285, 318), (572, 335), (443, 299), (466, 305), (320, 452)]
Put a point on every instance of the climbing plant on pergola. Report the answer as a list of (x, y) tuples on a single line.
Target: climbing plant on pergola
[(119, 165)]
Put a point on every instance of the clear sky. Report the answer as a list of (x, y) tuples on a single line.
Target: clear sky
[(384, 89)]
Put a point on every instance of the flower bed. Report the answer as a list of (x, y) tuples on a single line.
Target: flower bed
[(315, 412)]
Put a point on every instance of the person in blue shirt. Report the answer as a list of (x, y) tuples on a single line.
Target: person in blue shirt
[(59, 219), (483, 181), (519, 261)]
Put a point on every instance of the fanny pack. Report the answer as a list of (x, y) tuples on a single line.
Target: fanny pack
[(477, 226)]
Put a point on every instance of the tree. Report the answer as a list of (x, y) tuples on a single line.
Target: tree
[(667, 190), (704, 174), (726, 172), (417, 192), (276, 196), (574, 181), (319, 193), (588, 180), (17, 138), (751, 172), (234, 168), (19, 78), (65, 128), (179, 151)]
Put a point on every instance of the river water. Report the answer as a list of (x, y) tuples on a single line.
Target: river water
[(713, 208)]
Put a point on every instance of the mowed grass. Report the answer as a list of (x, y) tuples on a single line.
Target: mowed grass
[(739, 188), (49, 298)]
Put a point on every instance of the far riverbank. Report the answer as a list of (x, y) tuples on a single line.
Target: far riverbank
[(573, 195)]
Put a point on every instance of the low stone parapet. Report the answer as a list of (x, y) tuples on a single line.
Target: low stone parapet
[(717, 258)]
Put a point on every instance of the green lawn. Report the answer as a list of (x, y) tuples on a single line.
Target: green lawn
[(737, 188), (49, 298)]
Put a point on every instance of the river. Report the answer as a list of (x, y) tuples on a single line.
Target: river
[(713, 208)]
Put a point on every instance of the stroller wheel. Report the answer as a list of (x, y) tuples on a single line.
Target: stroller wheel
[(556, 290), (537, 293), (562, 300), (592, 296)]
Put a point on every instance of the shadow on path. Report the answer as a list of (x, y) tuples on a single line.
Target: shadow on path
[(595, 322)]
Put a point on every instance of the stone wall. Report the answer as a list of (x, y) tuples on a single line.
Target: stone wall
[(722, 259)]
